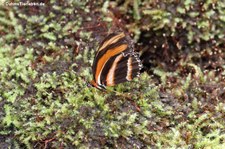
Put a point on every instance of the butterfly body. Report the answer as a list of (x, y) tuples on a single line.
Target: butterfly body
[(115, 61)]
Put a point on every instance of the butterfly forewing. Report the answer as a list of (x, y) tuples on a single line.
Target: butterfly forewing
[(111, 39)]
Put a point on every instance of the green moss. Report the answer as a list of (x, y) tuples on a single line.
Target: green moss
[(45, 63)]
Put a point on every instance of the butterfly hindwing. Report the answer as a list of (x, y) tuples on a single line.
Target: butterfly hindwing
[(125, 69)]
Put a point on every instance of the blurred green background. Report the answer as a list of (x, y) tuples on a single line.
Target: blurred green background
[(46, 54)]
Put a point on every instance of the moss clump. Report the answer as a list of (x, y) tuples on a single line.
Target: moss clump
[(46, 54)]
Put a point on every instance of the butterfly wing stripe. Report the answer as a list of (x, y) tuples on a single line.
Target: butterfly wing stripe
[(106, 69), (111, 40), (129, 69), (111, 74), (101, 62)]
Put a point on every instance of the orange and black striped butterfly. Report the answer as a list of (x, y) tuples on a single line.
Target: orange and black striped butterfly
[(115, 61)]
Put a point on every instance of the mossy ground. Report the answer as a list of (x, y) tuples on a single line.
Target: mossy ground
[(46, 55)]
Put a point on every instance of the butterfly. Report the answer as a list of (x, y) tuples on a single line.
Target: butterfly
[(115, 61)]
